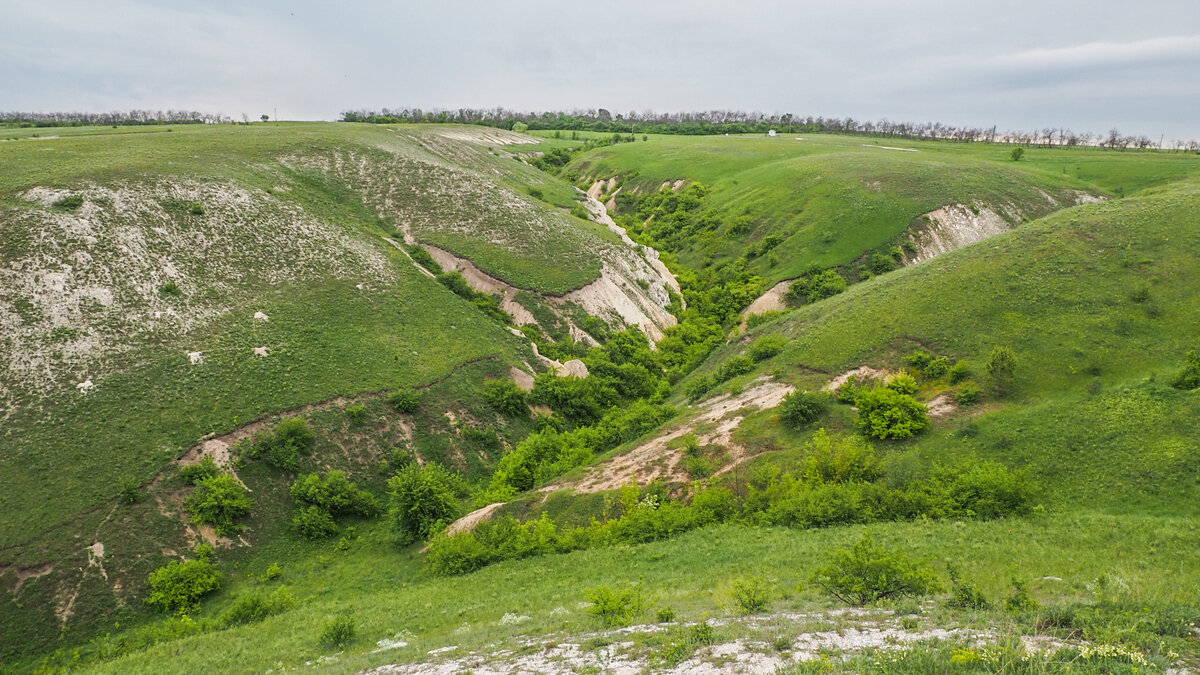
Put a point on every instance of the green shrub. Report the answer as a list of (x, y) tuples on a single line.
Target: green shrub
[(422, 257), (845, 460), (256, 606), (665, 615), (919, 360), (1002, 368), (273, 572), (357, 413), (219, 500), (849, 390), (766, 347), (177, 586), (698, 387), (887, 414), (903, 383), (338, 632), (335, 494), (1020, 600), (314, 522), (69, 203), (405, 400), (968, 394), (170, 290), (715, 505), (422, 500), (964, 594), (801, 408), (506, 397), (194, 473), (615, 607), (826, 284), (752, 593), (937, 367), (283, 447), (869, 573), (881, 263), (131, 489), (734, 366), (1189, 378), (960, 372), (756, 320), (697, 467)]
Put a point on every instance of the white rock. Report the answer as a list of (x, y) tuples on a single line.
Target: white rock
[(261, 351), (196, 357), (85, 386), (261, 317)]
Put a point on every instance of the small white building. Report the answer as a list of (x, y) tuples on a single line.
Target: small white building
[(771, 132)]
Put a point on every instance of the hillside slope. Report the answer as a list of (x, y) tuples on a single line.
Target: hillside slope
[(160, 288)]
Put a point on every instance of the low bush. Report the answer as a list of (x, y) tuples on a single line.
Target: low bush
[(314, 522), (338, 632), (614, 607), (283, 447), (964, 594), (869, 573), (1002, 368), (734, 366), (69, 203), (422, 257), (918, 360), (357, 413), (177, 586), (766, 347), (698, 387), (170, 290), (131, 489), (960, 372), (968, 394), (1020, 599), (256, 606), (1189, 377), (903, 383), (842, 460), (937, 368), (423, 499), (886, 414), (752, 594), (405, 400), (219, 501), (194, 473), (799, 409), (506, 397)]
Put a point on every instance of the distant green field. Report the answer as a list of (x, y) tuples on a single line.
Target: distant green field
[(833, 198)]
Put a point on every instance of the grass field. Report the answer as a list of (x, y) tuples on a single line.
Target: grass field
[(1099, 302), (833, 198)]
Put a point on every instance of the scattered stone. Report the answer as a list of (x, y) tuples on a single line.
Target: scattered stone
[(85, 386), (261, 351), (261, 317), (196, 357)]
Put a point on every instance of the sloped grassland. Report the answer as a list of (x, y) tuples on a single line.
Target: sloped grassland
[(159, 287)]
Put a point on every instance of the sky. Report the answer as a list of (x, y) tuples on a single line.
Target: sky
[(1017, 64)]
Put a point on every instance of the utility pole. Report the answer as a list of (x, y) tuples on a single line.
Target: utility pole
[(277, 114)]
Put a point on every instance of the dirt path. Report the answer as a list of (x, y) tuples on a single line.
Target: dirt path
[(473, 519)]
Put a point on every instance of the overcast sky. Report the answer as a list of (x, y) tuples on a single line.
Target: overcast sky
[(1020, 64)]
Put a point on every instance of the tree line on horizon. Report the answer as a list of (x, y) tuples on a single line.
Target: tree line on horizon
[(742, 122), (117, 117)]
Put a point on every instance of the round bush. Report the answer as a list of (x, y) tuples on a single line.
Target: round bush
[(801, 408), (887, 414)]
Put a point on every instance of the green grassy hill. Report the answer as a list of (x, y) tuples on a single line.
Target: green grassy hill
[(1099, 303), (170, 285), (827, 200)]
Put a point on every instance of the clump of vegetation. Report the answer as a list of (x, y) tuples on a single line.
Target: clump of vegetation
[(903, 383), (194, 473), (964, 594), (283, 447), (968, 394), (1020, 600), (614, 606), (799, 409), (170, 290), (752, 594), (506, 397), (68, 203), (338, 632), (1002, 368), (405, 400), (423, 500), (886, 414), (177, 586), (845, 460), (219, 501), (320, 500), (357, 413), (131, 489), (766, 347), (814, 287), (489, 304), (1189, 377), (256, 606), (422, 257), (869, 573)]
